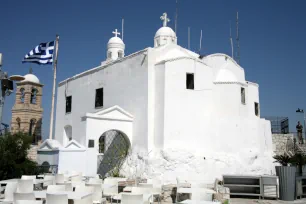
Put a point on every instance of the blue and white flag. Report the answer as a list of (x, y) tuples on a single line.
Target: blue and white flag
[(41, 54)]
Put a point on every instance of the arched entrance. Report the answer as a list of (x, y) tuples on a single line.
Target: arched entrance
[(113, 149)]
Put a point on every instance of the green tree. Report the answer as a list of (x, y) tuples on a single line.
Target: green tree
[(14, 161)]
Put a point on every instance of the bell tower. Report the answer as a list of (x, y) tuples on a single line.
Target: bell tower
[(27, 110)]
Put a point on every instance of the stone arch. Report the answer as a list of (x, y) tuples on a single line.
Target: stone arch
[(34, 92), (22, 94), (18, 121), (114, 146), (67, 134)]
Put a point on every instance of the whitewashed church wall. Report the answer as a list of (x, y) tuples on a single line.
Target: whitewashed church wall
[(253, 96), (187, 112), (124, 84), (72, 161), (159, 108)]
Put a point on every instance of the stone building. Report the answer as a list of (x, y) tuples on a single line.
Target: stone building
[(27, 110)]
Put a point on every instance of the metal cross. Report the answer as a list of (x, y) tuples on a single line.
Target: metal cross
[(116, 32), (164, 19)]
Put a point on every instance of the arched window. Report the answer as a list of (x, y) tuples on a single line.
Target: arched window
[(31, 127), (109, 55), (22, 95), (102, 144), (120, 54), (18, 123), (33, 96)]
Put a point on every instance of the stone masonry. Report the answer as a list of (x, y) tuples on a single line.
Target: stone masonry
[(279, 142)]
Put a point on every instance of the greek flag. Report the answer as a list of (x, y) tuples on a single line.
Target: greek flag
[(41, 54)]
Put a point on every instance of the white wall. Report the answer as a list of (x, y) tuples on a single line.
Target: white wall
[(72, 160), (125, 84)]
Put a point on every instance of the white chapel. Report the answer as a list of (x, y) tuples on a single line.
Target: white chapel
[(179, 112)]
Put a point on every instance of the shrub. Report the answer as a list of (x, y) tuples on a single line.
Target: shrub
[(14, 156)]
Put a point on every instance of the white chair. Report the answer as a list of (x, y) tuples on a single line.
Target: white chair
[(95, 180), (147, 193), (24, 177), (77, 184), (77, 178), (145, 185), (59, 178), (48, 180), (97, 194), (29, 202), (131, 198), (68, 187), (9, 192), (25, 186), (56, 188), (201, 194), (112, 189), (56, 198), (87, 189), (24, 196)]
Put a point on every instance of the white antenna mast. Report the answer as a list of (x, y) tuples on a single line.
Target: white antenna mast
[(231, 40), (188, 38), (176, 13), (200, 42), (237, 39), (122, 26)]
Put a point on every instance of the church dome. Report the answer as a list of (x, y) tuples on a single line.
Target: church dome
[(31, 78), (115, 40), (225, 75), (165, 32)]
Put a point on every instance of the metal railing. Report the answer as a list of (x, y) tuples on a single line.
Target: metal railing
[(47, 169)]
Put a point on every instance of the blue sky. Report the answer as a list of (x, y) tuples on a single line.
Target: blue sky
[(272, 40)]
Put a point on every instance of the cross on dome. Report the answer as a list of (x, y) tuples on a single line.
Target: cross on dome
[(164, 19), (116, 33)]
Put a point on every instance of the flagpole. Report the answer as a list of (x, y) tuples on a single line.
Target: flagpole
[(54, 85)]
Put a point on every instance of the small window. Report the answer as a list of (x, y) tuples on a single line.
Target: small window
[(256, 109), (18, 123), (33, 96), (102, 144), (68, 104), (31, 127), (109, 55), (99, 98), (190, 81), (242, 95), (120, 54), (91, 143), (22, 95)]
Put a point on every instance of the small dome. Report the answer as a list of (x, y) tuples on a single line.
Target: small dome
[(115, 40), (225, 75), (31, 78), (165, 31)]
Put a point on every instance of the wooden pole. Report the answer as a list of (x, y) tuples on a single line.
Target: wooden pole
[(54, 86)]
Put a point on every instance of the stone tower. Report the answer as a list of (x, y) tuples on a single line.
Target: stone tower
[(27, 110)]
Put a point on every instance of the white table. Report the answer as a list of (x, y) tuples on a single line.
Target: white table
[(199, 202), (71, 195), (35, 181)]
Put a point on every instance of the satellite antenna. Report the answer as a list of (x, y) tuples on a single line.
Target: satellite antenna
[(188, 38), (231, 40), (176, 13), (200, 43), (237, 39), (122, 28)]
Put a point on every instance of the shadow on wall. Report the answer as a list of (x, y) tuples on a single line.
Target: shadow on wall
[(116, 149)]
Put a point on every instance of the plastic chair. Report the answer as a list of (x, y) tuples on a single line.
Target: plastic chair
[(76, 178), (131, 198), (97, 194), (145, 185), (56, 188), (147, 193), (112, 190), (56, 198), (24, 196), (9, 192), (59, 178), (25, 186), (95, 180), (87, 189), (68, 186), (48, 180), (29, 202), (24, 177)]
